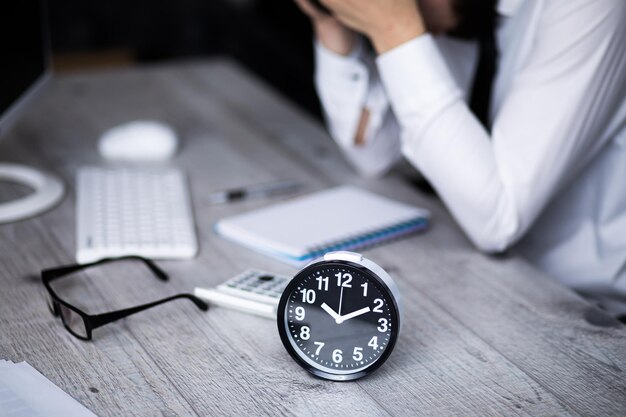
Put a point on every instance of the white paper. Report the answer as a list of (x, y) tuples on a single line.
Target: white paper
[(24, 392)]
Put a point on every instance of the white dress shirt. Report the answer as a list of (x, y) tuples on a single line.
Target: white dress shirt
[(551, 176)]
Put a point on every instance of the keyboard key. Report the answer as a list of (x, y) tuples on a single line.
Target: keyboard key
[(133, 212)]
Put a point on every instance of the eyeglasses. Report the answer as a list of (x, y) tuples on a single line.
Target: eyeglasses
[(81, 324)]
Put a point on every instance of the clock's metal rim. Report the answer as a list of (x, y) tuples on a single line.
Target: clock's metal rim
[(314, 369)]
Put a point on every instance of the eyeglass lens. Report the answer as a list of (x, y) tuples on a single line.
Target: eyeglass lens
[(73, 321), (49, 301)]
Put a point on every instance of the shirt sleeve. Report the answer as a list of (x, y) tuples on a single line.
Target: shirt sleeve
[(548, 127), (346, 86)]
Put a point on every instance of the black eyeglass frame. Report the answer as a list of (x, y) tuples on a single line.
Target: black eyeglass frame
[(93, 321)]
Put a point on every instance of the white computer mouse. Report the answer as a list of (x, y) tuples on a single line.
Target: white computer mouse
[(139, 141)]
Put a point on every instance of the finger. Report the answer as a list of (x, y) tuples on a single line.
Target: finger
[(308, 9)]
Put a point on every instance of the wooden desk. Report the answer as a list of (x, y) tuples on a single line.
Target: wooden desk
[(481, 336)]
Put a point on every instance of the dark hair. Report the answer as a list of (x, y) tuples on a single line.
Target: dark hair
[(477, 18)]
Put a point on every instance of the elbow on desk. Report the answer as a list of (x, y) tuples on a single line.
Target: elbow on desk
[(493, 245), (371, 172), (366, 166), (498, 234), (496, 223)]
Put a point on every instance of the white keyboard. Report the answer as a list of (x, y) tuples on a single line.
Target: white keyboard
[(133, 212)]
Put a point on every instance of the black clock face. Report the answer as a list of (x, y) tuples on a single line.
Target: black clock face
[(338, 318)]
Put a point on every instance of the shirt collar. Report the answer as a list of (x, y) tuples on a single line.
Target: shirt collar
[(508, 7)]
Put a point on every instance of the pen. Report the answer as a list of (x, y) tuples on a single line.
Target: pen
[(254, 191)]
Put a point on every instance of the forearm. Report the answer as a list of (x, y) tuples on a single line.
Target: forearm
[(456, 155), (443, 139), (496, 185), (356, 109)]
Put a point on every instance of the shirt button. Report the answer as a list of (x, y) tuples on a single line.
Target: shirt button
[(355, 77)]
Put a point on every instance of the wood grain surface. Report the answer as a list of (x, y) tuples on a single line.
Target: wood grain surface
[(481, 335)]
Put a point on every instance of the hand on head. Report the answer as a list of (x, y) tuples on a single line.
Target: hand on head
[(330, 31), (387, 23)]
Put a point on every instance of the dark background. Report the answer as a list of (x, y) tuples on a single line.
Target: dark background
[(270, 37)]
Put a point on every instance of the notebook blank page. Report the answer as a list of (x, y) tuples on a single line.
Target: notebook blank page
[(300, 225)]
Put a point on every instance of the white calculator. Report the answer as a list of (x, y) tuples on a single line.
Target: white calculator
[(253, 291)]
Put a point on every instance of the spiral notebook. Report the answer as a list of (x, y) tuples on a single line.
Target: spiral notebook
[(342, 218)]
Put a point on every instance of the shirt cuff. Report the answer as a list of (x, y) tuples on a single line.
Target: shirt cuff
[(340, 70), (417, 81), (342, 86)]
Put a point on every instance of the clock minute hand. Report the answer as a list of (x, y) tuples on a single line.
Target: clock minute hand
[(330, 311), (354, 314)]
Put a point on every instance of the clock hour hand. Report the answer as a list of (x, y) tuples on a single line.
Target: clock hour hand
[(332, 313), (354, 314)]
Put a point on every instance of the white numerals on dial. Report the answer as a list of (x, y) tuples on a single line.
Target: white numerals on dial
[(322, 282), (382, 325), (347, 277), (320, 345), (305, 333), (373, 342), (355, 308), (300, 313), (379, 306), (308, 296)]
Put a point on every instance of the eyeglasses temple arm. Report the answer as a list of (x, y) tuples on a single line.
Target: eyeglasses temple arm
[(54, 273), (102, 319)]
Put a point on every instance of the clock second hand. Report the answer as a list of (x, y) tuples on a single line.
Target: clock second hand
[(338, 317), (340, 300)]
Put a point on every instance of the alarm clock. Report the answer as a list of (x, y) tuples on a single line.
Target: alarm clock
[(339, 317)]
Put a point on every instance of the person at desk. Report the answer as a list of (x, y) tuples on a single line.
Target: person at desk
[(522, 133)]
